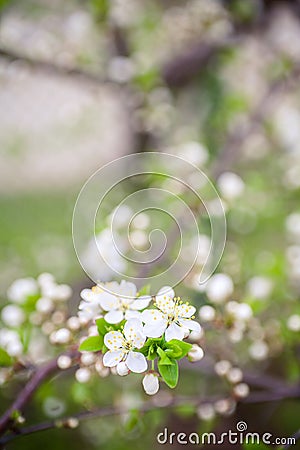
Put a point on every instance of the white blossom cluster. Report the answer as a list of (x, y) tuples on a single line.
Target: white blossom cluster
[(34, 305), (137, 319)]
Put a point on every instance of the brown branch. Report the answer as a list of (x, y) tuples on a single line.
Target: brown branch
[(295, 436), (260, 397), (230, 152), (27, 392), (53, 68)]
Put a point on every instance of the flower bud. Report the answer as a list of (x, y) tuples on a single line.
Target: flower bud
[(150, 384), (64, 361), (87, 359), (241, 390), (122, 369), (207, 313), (83, 375), (234, 375), (12, 315), (196, 353)]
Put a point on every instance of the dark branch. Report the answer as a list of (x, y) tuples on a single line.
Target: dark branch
[(230, 152), (25, 395), (259, 397), (53, 68)]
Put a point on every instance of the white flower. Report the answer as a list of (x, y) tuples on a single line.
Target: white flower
[(21, 289), (150, 384), (241, 390), (122, 345), (121, 302), (87, 359), (222, 367), (101, 257), (196, 353), (230, 185), (206, 411), (171, 317), (207, 313), (10, 341), (89, 307), (240, 311), (259, 350), (219, 287), (122, 369), (293, 322), (64, 362), (44, 305), (12, 315), (260, 287), (83, 375), (61, 336), (234, 375), (57, 292)]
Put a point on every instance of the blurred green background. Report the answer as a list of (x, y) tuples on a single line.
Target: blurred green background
[(82, 83)]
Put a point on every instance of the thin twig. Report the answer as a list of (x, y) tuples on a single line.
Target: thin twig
[(260, 397), (230, 152), (51, 67), (27, 392), (295, 436)]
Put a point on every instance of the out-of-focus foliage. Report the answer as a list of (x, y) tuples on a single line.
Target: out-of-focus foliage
[(201, 79)]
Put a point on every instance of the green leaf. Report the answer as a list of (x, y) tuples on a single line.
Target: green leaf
[(152, 353), (102, 326), (177, 349), (92, 344), (169, 373), (100, 9), (133, 420), (5, 359), (163, 358), (150, 348)]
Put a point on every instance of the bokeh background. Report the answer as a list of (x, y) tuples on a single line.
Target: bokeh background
[(215, 82)]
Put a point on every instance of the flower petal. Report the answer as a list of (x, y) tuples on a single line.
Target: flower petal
[(190, 324), (114, 340), (174, 331), (131, 328), (111, 359), (141, 302), (166, 290), (127, 289), (129, 314), (165, 304), (185, 310), (114, 316), (87, 295), (108, 301), (136, 362), (152, 316), (155, 330)]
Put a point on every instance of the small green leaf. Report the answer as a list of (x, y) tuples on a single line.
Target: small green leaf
[(163, 358), (100, 9), (102, 326), (133, 420), (152, 353), (92, 344), (5, 359), (179, 348), (149, 349), (169, 373)]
